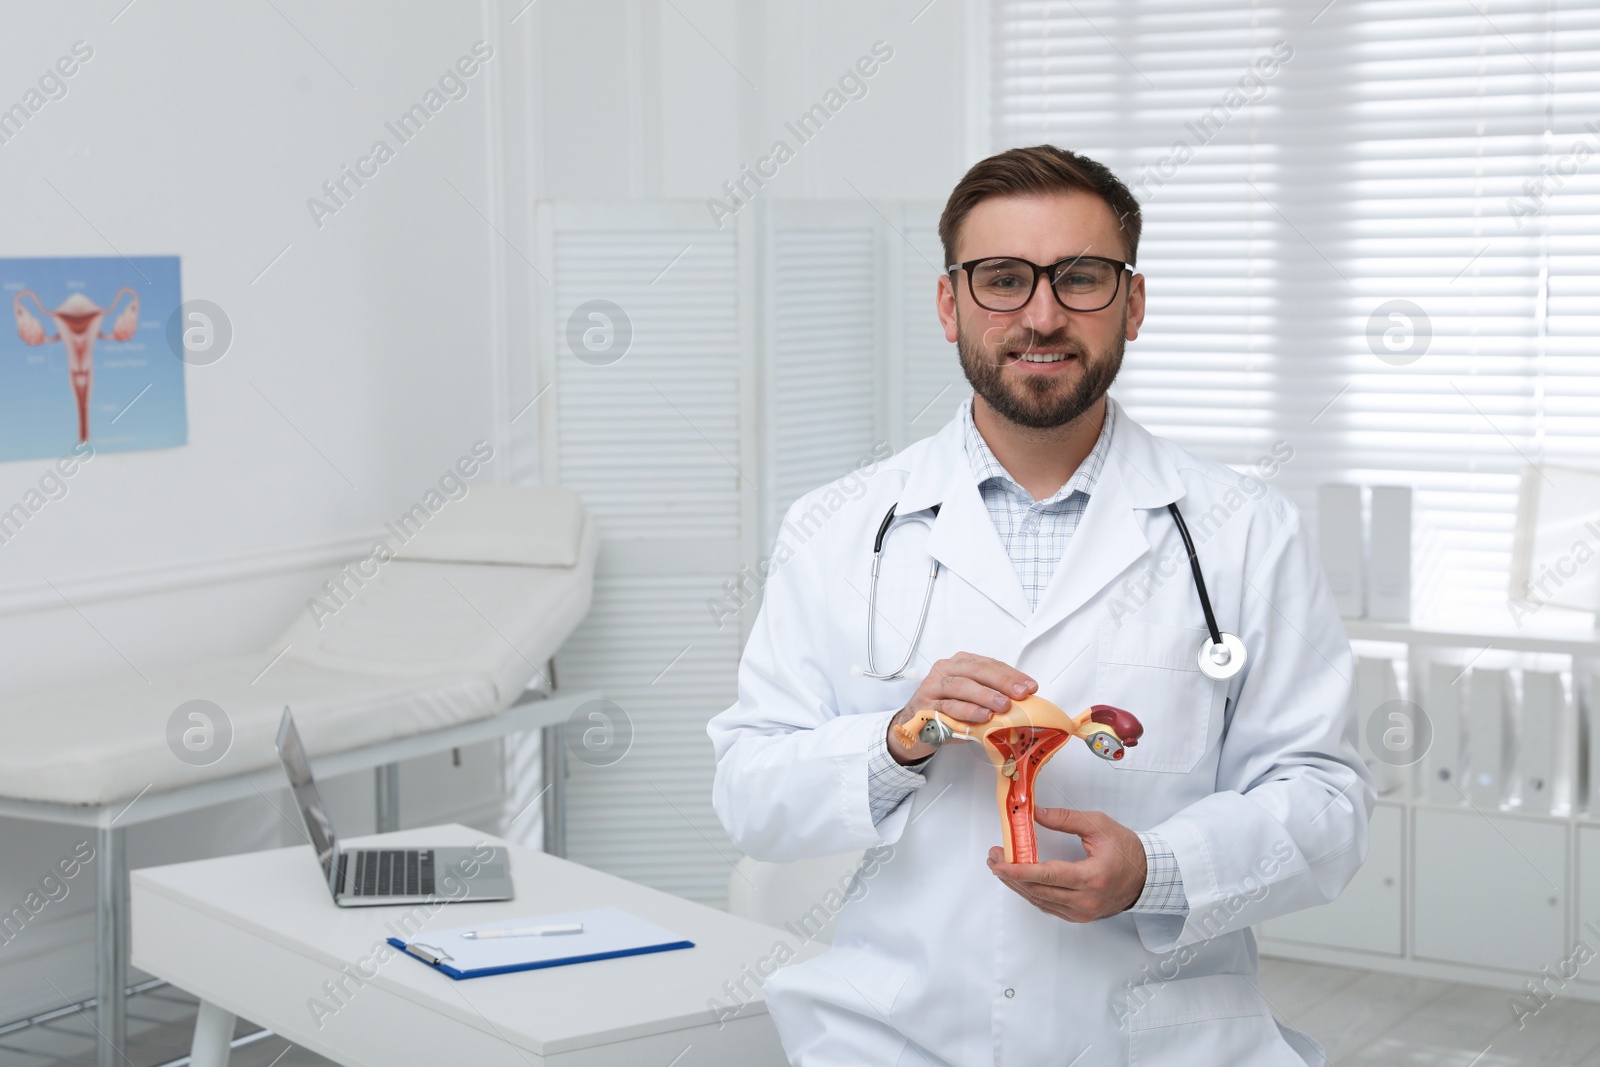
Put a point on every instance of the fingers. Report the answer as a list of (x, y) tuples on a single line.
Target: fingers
[(1074, 906), (1107, 881), (1069, 875), (1068, 820), (1086, 899), (1001, 677), (967, 688), (971, 688), (1100, 833), (966, 699)]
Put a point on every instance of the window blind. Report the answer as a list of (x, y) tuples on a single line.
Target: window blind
[(1370, 233), (679, 516), (821, 397), (645, 342)]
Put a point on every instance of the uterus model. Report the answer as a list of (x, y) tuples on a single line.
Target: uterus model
[(1019, 742), (78, 322)]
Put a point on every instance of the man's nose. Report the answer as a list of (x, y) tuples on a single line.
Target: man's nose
[(1043, 312)]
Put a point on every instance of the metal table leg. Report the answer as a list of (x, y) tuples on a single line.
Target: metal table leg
[(553, 752), (213, 1037), (386, 779), (111, 945)]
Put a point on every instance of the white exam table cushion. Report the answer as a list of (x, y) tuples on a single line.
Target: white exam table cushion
[(416, 620), (419, 646), (96, 744), (535, 526)]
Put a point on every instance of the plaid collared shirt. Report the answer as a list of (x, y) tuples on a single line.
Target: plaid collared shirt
[(1035, 532), (1035, 535)]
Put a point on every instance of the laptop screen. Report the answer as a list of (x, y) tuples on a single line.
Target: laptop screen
[(315, 816)]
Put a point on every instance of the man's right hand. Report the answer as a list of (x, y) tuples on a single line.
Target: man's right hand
[(966, 686)]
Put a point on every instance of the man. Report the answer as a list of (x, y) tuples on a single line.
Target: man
[(1062, 573)]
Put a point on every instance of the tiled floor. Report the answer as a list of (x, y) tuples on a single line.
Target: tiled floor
[(160, 1024), (1378, 1020), (1362, 1019)]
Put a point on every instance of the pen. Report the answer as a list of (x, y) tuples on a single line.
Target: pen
[(525, 931)]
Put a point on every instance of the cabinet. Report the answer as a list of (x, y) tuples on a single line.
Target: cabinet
[(1367, 915), (1492, 837), (1588, 894), (1490, 889)]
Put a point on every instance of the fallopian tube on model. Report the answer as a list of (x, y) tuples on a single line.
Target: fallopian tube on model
[(1019, 742), (78, 322)]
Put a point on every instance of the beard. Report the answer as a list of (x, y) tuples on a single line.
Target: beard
[(1041, 402)]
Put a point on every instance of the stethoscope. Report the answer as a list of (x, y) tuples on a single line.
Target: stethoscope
[(1221, 655), (872, 601)]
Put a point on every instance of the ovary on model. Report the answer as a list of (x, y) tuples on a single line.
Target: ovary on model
[(78, 322)]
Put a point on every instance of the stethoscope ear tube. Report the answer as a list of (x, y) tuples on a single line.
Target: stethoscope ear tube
[(872, 603), (1199, 579), (1223, 656), (877, 542)]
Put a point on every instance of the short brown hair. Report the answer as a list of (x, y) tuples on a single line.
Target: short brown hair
[(1041, 169)]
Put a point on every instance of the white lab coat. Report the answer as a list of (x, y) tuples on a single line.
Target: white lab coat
[(1255, 783)]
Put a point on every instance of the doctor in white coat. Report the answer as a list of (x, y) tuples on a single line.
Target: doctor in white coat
[(1061, 572)]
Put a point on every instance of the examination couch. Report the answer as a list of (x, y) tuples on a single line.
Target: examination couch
[(429, 645)]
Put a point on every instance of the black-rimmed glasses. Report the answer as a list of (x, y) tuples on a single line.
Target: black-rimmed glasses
[(1006, 283)]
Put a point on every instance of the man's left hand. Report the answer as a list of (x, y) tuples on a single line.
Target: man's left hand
[(1107, 881)]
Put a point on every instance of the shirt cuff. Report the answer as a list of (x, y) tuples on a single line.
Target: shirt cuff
[(888, 782), (1163, 882)]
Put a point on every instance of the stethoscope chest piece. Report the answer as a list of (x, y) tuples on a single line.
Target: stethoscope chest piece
[(1219, 662)]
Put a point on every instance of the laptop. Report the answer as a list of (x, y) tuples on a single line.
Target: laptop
[(369, 877)]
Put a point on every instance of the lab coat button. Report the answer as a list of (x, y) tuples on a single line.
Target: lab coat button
[(1011, 993)]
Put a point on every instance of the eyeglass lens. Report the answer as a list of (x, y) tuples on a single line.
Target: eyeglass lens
[(1007, 284)]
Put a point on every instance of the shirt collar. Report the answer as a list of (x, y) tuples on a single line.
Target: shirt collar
[(986, 468)]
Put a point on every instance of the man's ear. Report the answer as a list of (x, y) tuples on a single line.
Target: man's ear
[(945, 301), (1135, 307)]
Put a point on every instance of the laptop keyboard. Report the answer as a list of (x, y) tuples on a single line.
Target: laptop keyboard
[(392, 873)]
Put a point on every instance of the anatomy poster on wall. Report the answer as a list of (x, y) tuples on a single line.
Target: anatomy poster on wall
[(86, 358)]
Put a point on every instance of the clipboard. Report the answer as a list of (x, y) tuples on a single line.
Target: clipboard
[(608, 933)]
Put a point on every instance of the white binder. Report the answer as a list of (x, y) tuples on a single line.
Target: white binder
[(1339, 543), (1376, 686), (1586, 690), (1389, 555), (1487, 693), (1442, 780), (1544, 704)]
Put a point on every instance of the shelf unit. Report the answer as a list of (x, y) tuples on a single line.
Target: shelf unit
[(1484, 858)]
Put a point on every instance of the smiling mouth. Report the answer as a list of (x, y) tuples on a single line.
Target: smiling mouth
[(1031, 356)]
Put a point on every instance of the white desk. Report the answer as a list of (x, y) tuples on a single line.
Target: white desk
[(257, 936), (534, 710)]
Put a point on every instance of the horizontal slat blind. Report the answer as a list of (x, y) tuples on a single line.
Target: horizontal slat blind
[(1443, 119), (934, 385), (1568, 189), (1125, 84), (1346, 255), (653, 443), (652, 647), (824, 351)]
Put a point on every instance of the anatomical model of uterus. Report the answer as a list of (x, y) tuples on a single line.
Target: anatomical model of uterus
[(1019, 742), (78, 324)]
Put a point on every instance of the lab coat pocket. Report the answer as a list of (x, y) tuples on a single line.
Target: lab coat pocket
[(1153, 671), (834, 1009), (868, 977), (1214, 1018)]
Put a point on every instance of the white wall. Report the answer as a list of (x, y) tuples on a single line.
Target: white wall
[(401, 331), (649, 100), (373, 336), (646, 109), (202, 131)]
